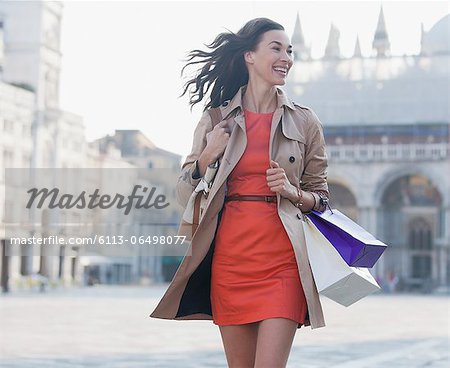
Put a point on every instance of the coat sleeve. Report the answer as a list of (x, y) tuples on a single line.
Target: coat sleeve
[(314, 177), (188, 180)]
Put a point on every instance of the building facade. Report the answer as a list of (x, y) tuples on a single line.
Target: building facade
[(36, 133), (386, 124)]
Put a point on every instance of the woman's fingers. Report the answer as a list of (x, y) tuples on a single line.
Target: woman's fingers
[(274, 183), (276, 178), (223, 125), (274, 164), (217, 139), (272, 172)]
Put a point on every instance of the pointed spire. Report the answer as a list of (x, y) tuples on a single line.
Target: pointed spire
[(422, 40), (357, 52), (2, 48), (332, 51), (381, 40), (297, 36), (301, 51)]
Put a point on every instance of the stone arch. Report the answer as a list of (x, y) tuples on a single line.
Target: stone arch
[(411, 190), (343, 198), (410, 213), (395, 173), (346, 177)]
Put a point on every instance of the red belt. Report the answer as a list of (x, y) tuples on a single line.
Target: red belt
[(251, 198)]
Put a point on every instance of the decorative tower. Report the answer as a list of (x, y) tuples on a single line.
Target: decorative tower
[(2, 48), (423, 50), (381, 40), (33, 54), (357, 52), (301, 51), (332, 51)]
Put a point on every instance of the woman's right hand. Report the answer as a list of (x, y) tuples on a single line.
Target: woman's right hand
[(217, 140)]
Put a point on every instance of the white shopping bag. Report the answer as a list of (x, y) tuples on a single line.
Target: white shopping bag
[(334, 278)]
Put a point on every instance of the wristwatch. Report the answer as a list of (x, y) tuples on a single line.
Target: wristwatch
[(196, 172), (324, 201)]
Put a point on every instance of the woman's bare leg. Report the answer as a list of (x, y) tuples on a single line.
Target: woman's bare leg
[(239, 342), (275, 336)]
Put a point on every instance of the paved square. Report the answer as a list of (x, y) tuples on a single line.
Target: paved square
[(109, 327)]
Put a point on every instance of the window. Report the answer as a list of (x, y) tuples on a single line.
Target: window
[(8, 126), (8, 158), (26, 160), (420, 235), (26, 130)]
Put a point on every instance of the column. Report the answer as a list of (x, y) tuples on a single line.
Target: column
[(445, 247)]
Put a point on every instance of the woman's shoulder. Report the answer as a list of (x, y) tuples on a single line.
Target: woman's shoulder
[(308, 114)]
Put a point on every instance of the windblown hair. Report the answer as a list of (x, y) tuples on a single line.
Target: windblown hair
[(224, 67)]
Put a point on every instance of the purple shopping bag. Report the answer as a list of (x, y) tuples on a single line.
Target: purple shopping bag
[(356, 246)]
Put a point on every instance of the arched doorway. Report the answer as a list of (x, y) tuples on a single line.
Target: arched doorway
[(343, 199), (410, 222)]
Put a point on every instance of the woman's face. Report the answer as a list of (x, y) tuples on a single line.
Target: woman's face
[(272, 59)]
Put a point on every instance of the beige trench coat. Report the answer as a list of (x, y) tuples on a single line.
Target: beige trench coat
[(297, 144)]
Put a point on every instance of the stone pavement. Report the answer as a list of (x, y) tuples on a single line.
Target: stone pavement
[(109, 327)]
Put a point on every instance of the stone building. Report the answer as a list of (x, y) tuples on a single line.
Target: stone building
[(386, 123), (36, 133), (161, 168)]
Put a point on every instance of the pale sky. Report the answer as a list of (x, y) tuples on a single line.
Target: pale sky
[(122, 60)]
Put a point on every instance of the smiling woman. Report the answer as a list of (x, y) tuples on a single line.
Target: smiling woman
[(249, 269), (271, 60)]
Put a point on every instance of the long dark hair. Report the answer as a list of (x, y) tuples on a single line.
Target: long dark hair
[(224, 67)]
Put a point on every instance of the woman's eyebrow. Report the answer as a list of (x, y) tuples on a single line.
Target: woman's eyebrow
[(279, 43)]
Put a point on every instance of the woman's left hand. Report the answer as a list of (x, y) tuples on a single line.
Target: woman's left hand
[(278, 181)]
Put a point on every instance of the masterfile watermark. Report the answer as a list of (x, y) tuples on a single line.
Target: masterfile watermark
[(105, 201), (118, 212)]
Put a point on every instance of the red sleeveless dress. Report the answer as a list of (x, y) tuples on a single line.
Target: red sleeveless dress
[(254, 274)]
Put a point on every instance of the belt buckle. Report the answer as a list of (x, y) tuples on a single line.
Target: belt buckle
[(267, 198)]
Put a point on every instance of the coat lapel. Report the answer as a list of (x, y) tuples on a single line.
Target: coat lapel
[(277, 116)]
